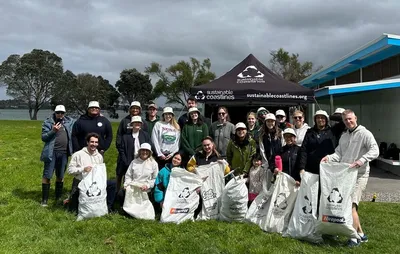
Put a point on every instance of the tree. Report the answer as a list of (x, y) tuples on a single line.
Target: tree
[(32, 77), (75, 92), (133, 85), (175, 82), (289, 67)]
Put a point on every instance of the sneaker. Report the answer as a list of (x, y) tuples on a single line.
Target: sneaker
[(364, 238), (44, 203), (351, 243)]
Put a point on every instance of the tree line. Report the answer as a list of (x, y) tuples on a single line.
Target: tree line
[(38, 78)]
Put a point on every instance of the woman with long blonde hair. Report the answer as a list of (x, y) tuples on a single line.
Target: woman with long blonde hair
[(165, 137)]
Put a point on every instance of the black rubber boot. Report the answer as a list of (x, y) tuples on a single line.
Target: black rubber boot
[(45, 193), (59, 190)]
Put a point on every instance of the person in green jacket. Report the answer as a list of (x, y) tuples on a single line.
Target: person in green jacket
[(151, 117), (194, 131), (240, 150)]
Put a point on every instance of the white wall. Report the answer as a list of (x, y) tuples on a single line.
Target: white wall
[(378, 111)]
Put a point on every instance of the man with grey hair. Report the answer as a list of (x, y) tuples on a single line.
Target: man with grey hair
[(358, 147)]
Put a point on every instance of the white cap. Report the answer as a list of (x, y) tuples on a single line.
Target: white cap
[(339, 111), (280, 112), (145, 146), (136, 103), (168, 110), (261, 109), (321, 113), (289, 131), (270, 116), (240, 125), (136, 119), (60, 108), (94, 104), (194, 109)]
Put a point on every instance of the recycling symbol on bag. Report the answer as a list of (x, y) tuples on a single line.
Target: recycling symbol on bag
[(280, 201), (210, 194), (335, 196), (307, 209), (93, 190), (185, 193)]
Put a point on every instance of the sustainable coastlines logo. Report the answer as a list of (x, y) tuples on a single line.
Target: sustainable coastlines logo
[(250, 75), (215, 95)]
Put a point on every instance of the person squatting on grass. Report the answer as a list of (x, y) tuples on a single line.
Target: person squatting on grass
[(357, 146), (56, 133), (82, 162), (142, 170)]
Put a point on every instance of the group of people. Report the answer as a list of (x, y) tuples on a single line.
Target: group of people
[(149, 148)]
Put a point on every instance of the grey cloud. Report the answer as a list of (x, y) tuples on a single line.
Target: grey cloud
[(104, 37)]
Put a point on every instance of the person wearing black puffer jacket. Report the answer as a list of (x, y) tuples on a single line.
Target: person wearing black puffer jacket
[(318, 142), (270, 139), (90, 122), (290, 156)]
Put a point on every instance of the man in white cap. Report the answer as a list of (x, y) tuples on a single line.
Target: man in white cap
[(56, 135), (130, 146), (92, 121), (338, 126), (281, 120), (124, 126), (261, 115)]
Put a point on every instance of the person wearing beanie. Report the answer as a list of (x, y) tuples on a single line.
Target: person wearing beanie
[(261, 114), (56, 135)]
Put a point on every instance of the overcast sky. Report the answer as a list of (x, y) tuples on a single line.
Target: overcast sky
[(104, 37)]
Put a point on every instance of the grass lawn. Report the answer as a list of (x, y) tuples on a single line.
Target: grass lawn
[(26, 227)]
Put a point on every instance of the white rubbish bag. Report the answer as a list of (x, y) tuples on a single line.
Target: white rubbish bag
[(280, 205), (257, 212), (234, 200), (335, 208), (303, 222), (211, 190), (93, 193), (181, 199), (137, 203)]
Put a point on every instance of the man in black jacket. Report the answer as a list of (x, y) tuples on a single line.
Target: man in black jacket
[(129, 147), (90, 122), (192, 103)]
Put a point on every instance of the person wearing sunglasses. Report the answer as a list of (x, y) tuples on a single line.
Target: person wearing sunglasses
[(56, 135), (300, 127), (281, 120), (221, 131)]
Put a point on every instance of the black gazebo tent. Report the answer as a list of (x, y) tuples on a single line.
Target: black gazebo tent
[(251, 82)]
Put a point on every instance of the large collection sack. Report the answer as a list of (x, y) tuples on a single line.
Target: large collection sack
[(93, 193), (257, 212), (302, 224), (335, 209), (137, 203), (280, 205), (234, 200), (181, 198), (211, 190)]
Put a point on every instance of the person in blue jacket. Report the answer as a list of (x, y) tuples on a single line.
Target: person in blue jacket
[(162, 179), (56, 135)]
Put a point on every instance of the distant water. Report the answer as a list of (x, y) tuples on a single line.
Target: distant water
[(23, 114)]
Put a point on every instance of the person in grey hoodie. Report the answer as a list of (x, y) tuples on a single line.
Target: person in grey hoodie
[(222, 130), (357, 146), (300, 127)]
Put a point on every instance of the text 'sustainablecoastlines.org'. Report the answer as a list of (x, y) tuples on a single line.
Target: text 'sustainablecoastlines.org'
[(276, 96)]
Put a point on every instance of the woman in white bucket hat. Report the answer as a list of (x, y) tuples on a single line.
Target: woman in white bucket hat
[(165, 137)]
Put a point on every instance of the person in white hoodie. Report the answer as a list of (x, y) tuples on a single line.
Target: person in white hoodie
[(82, 162), (300, 127), (165, 137), (358, 147)]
